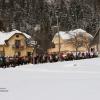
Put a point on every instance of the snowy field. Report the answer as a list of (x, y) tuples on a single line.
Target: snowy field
[(71, 80)]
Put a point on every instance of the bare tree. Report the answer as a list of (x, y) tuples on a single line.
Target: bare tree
[(81, 40), (76, 42), (86, 42)]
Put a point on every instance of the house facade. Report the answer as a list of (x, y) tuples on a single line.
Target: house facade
[(14, 44), (65, 46), (67, 42)]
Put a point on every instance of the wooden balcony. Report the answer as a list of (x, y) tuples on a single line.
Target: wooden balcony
[(21, 47)]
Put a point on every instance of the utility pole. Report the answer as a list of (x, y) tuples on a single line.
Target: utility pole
[(59, 45)]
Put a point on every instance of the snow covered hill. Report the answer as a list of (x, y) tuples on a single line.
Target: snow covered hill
[(72, 80)]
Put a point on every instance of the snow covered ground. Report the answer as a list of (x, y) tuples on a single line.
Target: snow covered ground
[(71, 80)]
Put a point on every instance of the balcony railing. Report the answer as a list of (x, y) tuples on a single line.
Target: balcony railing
[(18, 47)]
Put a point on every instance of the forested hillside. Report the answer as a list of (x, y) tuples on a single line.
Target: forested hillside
[(37, 17)]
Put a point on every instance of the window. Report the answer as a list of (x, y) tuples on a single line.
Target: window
[(17, 36), (29, 54), (17, 43)]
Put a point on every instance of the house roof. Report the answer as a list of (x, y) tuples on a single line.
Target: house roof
[(80, 32), (6, 35), (70, 34), (63, 35)]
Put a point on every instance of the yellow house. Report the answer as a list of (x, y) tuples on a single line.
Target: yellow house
[(64, 41), (14, 44)]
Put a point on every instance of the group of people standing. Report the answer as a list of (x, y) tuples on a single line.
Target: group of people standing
[(6, 62), (55, 57)]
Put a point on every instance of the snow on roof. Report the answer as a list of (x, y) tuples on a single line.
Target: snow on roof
[(6, 35), (80, 32), (63, 35), (70, 34)]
